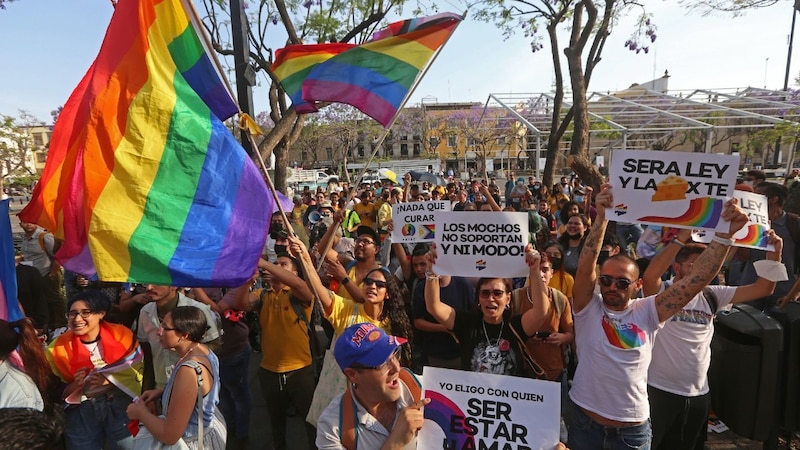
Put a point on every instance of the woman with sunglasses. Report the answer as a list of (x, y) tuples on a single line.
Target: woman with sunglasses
[(383, 307), (182, 331), (492, 340), (88, 357)]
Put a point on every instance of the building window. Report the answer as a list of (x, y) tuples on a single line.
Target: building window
[(38, 139), (329, 152), (403, 137), (501, 140), (417, 149), (451, 141), (361, 151), (41, 157), (304, 155), (403, 149), (470, 142)]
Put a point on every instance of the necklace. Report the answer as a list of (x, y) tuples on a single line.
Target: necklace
[(488, 342), (92, 347), (190, 350)]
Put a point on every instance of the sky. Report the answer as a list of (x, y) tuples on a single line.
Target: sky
[(48, 46)]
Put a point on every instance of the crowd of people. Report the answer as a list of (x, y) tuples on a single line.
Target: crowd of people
[(621, 319)]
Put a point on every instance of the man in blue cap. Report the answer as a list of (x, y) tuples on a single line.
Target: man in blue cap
[(381, 407)]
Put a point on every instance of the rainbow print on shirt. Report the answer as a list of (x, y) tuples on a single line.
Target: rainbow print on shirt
[(702, 213), (624, 336)]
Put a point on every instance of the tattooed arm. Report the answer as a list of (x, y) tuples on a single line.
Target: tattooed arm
[(704, 270), (586, 275)]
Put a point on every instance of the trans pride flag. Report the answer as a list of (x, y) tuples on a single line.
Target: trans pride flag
[(143, 181), (9, 306), (375, 77)]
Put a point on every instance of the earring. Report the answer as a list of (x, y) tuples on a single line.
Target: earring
[(354, 386)]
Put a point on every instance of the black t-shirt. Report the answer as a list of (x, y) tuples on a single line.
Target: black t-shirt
[(495, 350), (457, 294)]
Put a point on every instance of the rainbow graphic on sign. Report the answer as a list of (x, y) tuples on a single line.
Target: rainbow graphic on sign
[(702, 213), (757, 236), (480, 264), (408, 230), (628, 337), (427, 231), (441, 410)]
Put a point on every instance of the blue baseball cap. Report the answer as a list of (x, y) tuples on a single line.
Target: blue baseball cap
[(365, 344)]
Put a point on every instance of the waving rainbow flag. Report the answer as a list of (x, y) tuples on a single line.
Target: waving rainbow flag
[(9, 306), (143, 181), (294, 62), (376, 77)]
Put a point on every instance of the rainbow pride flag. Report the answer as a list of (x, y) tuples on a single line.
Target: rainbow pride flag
[(143, 181), (294, 62), (9, 306), (375, 77)]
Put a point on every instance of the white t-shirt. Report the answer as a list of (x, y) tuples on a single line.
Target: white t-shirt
[(682, 352), (614, 350)]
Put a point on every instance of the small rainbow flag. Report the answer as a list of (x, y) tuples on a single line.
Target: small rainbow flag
[(375, 77), (294, 62), (9, 306), (143, 181)]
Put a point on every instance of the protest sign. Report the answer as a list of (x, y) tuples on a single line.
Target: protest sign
[(754, 233), (415, 221), (470, 410), (677, 189), (481, 244)]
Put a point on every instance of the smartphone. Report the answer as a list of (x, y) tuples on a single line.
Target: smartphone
[(542, 335)]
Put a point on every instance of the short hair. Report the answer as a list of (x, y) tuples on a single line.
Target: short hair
[(96, 300), (295, 263), (688, 250), (190, 320), (29, 429), (771, 189), (611, 240), (420, 249), (757, 174), (622, 257)]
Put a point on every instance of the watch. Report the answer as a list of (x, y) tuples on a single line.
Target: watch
[(345, 280)]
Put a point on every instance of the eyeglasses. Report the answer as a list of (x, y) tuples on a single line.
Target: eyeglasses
[(620, 283), (486, 293), (84, 313), (386, 366), (378, 283), (163, 328), (364, 242)]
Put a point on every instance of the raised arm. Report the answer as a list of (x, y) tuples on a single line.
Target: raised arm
[(763, 287), (299, 251), (489, 199), (586, 276), (651, 279), (402, 257), (537, 293), (299, 287), (443, 313), (705, 267)]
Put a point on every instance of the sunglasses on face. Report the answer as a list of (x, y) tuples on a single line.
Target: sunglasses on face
[(496, 293), (378, 283), (620, 283)]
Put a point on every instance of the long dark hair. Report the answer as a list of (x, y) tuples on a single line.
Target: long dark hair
[(394, 310), (22, 334), (564, 238)]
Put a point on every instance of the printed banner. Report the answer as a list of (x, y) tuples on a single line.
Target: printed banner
[(754, 233), (470, 410), (481, 244), (416, 221), (677, 189)]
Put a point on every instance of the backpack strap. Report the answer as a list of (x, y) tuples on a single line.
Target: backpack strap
[(348, 414), (560, 301), (711, 299)]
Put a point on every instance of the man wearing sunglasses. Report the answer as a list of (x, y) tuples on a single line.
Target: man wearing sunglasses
[(383, 397), (677, 384), (614, 334)]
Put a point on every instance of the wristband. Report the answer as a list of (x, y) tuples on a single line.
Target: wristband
[(430, 276), (678, 242), (721, 240), (771, 270)]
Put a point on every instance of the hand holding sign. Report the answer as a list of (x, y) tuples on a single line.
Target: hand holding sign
[(407, 425), (603, 201), (774, 240), (733, 214)]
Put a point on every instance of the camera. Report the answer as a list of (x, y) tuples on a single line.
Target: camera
[(542, 335)]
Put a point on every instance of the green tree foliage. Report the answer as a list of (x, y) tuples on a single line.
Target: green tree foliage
[(16, 149)]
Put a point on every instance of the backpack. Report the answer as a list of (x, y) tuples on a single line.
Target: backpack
[(348, 415), (793, 224), (55, 267), (320, 331)]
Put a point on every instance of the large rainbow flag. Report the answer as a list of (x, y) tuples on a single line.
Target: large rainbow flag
[(9, 306), (294, 62), (143, 181), (375, 77)]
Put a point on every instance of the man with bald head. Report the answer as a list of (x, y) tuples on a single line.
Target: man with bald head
[(614, 335)]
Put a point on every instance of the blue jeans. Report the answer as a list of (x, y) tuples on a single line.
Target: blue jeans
[(235, 399), (99, 420), (585, 433)]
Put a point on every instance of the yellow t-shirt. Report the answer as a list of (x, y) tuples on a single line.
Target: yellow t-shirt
[(284, 339), (346, 312), (562, 281), (366, 212)]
